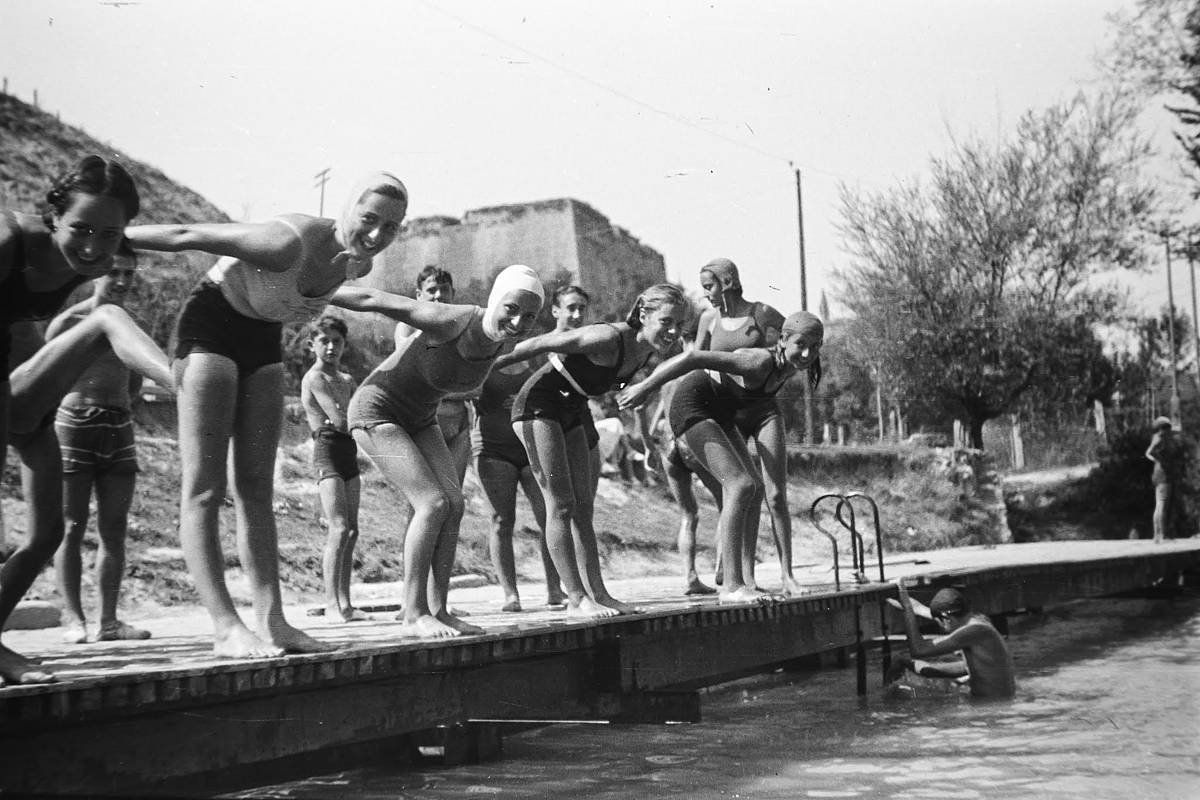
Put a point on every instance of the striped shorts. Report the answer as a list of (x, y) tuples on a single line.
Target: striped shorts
[(95, 439)]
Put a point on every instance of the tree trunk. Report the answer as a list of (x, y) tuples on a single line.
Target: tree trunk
[(976, 432)]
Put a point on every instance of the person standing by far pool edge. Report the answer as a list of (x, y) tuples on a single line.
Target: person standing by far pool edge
[(1169, 455)]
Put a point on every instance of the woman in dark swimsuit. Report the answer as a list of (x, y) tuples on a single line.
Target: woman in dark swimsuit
[(552, 417), (42, 260), (734, 322), (702, 414)]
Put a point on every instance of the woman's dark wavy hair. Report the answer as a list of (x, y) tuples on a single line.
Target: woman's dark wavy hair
[(95, 176)]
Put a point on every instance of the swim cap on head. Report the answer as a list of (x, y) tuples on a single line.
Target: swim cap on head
[(517, 277), (382, 182), (725, 271), (805, 325), (949, 601), (1162, 422)]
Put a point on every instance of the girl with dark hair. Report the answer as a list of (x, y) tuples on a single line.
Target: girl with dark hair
[(552, 417), (702, 414), (731, 323), (229, 373), (42, 259)]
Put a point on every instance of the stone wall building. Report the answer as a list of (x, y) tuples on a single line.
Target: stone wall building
[(565, 240)]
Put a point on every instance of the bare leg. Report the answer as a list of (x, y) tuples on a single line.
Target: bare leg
[(724, 455), (772, 451), (256, 429), (68, 563), (206, 382), (533, 493), (41, 479), (679, 479), (346, 569), (114, 495), (499, 481), (39, 384), (419, 465), (550, 463), (332, 491)]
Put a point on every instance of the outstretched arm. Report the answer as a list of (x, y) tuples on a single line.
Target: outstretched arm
[(746, 362), (441, 320), (588, 339), (271, 245)]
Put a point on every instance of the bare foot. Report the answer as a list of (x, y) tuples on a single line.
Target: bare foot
[(121, 631), (513, 605), (240, 642), (590, 609), (294, 640), (18, 669), (556, 597), (614, 603), (427, 627), (791, 587), (74, 633), (356, 615), (696, 586), (743, 595), (465, 629)]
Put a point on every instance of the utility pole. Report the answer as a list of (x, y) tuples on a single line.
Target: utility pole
[(1191, 259), (320, 179), (808, 398), (1171, 335)]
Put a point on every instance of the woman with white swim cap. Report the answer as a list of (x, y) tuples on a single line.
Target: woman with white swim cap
[(393, 417), (228, 346)]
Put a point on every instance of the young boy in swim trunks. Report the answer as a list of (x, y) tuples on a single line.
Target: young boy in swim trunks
[(95, 435), (986, 662), (325, 393)]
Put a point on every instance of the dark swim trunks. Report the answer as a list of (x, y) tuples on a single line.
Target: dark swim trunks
[(335, 454), (209, 324), (698, 398)]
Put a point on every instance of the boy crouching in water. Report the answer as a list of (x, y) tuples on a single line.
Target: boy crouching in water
[(985, 664), (325, 392)]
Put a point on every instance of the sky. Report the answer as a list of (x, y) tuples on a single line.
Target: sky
[(682, 122)]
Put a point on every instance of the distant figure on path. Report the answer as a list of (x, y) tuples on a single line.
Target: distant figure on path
[(229, 368), (42, 259), (986, 662), (95, 435), (1169, 454), (325, 394)]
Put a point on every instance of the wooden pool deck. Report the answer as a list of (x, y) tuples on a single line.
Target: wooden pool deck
[(152, 716)]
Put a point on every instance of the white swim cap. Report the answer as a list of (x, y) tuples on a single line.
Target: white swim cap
[(517, 277)]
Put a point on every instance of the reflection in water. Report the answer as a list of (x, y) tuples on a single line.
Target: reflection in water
[(1106, 708)]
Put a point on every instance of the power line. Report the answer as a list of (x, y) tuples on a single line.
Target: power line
[(681, 120)]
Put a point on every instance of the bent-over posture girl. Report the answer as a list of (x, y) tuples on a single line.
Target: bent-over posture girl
[(552, 417), (393, 417), (229, 373), (42, 260), (702, 414)]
